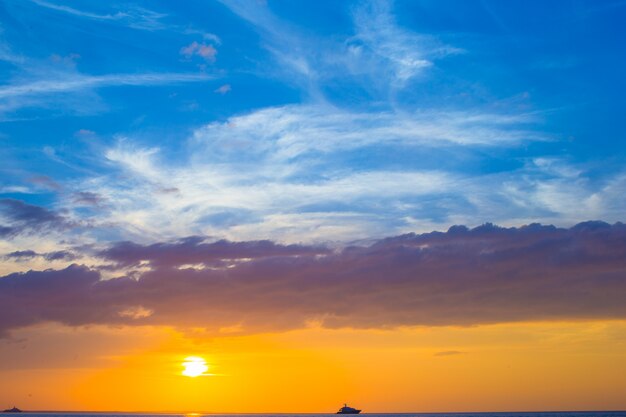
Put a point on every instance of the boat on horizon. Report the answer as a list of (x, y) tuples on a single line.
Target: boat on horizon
[(12, 410), (348, 410)]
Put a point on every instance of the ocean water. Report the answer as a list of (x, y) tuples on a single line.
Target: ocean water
[(485, 414)]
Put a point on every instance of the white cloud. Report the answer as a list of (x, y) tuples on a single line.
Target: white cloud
[(76, 82), (16, 189), (405, 53), (381, 55), (223, 89), (284, 133), (7, 55), (206, 190), (133, 16), (257, 175), (70, 91)]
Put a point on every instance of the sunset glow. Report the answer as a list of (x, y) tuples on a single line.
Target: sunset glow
[(285, 206), (194, 366)]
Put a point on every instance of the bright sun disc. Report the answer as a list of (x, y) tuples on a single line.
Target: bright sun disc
[(194, 366)]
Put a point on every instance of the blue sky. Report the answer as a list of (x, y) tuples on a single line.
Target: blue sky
[(308, 121)]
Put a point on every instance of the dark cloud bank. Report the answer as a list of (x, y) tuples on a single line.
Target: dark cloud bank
[(462, 277)]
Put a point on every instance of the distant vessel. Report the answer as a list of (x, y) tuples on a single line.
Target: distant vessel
[(13, 410), (348, 410)]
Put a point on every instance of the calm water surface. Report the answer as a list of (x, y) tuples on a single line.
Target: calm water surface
[(525, 414)]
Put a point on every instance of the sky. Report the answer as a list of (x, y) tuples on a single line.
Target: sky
[(404, 205)]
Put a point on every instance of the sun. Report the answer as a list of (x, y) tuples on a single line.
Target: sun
[(194, 366)]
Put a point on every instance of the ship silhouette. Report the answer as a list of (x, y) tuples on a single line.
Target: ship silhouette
[(348, 410), (12, 410)]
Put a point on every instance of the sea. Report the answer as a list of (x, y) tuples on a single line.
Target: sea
[(485, 414)]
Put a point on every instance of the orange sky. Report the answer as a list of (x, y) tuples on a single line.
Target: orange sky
[(524, 366)]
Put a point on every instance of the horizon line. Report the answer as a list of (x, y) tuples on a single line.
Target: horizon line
[(316, 413)]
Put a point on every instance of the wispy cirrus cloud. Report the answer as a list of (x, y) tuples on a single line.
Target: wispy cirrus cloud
[(69, 91), (8, 55), (380, 55), (132, 16), (292, 131), (55, 81), (221, 197), (262, 179), (380, 42), (302, 61), (76, 82), (288, 166)]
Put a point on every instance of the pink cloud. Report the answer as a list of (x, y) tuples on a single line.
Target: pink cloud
[(203, 50)]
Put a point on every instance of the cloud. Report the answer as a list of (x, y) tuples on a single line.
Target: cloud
[(30, 292), (45, 182), (461, 277), (16, 189), (85, 132), (21, 254), (380, 41), (60, 87), (7, 55), (193, 250), (133, 16), (212, 187), (380, 57), (75, 82), (169, 190), (305, 173), (136, 312), (294, 172), (86, 198), (291, 131), (61, 255), (68, 90), (203, 50), (68, 60), (26, 218), (223, 89), (311, 173), (449, 353)]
